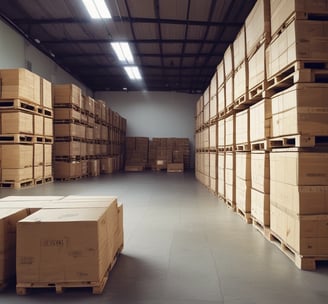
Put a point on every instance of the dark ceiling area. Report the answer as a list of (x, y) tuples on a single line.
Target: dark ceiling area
[(177, 44)]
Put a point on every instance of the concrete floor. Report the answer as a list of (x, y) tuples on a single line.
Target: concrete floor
[(183, 246)]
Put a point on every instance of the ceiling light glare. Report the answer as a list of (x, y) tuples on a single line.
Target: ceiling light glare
[(97, 9), (133, 72), (123, 52)]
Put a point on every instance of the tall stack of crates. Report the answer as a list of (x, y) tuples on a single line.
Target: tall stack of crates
[(272, 131), (26, 133)]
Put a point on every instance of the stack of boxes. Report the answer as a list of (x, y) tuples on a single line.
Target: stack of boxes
[(272, 126), (26, 133), (136, 153), (59, 242)]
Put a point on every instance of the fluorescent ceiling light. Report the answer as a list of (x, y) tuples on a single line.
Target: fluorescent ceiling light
[(133, 72), (97, 9), (123, 51)]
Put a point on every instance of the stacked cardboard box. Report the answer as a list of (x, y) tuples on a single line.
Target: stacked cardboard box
[(136, 153), (57, 223), (25, 127)]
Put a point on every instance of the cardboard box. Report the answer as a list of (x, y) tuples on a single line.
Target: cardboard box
[(107, 165), (66, 114), (260, 115), (47, 155), (8, 221), (97, 131), (66, 245), (17, 174), (307, 234), (257, 26), (48, 127), (89, 133), (299, 200), (67, 94), (46, 93), (104, 133), (20, 83), (89, 104), (282, 10), (260, 171), (175, 167), (67, 148), (83, 151), (242, 128), (90, 149), (301, 40), (301, 109), (16, 122), (16, 156), (260, 207), (299, 168), (68, 130), (63, 169), (94, 167)]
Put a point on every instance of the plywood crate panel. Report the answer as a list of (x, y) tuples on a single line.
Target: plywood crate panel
[(230, 130), (260, 115), (47, 171), (221, 133), (67, 114), (213, 86), (229, 93), (38, 127), (206, 112), (301, 40), (260, 171), (63, 169), (243, 165), (221, 174), (299, 200), (301, 109), (38, 158), (257, 25), (46, 93), (97, 131), (16, 122), (257, 69), (94, 167), (16, 174), (67, 148), (230, 177), (213, 165), (243, 195), (282, 10), (242, 127), (213, 136), (8, 221), (89, 104), (240, 82), (68, 130), (213, 107), (38, 172), (220, 74), (221, 99), (260, 207), (239, 48), (67, 94), (48, 127), (228, 61), (16, 156), (306, 234), (20, 83), (47, 154)]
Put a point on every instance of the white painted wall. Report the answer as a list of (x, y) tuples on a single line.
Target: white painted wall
[(15, 51), (155, 114)]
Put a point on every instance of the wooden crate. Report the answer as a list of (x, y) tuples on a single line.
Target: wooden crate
[(260, 207), (230, 131), (16, 156), (239, 48), (228, 62), (242, 130), (213, 137), (221, 174), (46, 94), (67, 148), (16, 122), (301, 109), (221, 101), (260, 116), (230, 177), (67, 94), (221, 134), (66, 170), (220, 74), (240, 84), (257, 26), (260, 171), (229, 94)]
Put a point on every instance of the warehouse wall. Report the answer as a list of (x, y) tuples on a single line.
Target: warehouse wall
[(15, 52), (155, 114)]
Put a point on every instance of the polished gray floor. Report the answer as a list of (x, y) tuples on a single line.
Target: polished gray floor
[(183, 246)]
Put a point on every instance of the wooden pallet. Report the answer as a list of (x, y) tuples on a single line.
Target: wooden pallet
[(264, 230), (243, 147), (258, 92), (43, 180), (68, 106), (42, 139), (299, 71), (301, 141), (246, 216), (97, 287), (231, 205), (19, 104), (17, 185), (130, 168), (48, 112), (67, 179), (16, 139), (261, 145), (300, 261), (230, 148), (241, 103), (175, 170)]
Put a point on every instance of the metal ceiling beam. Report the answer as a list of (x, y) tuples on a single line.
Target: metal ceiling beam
[(144, 66), (27, 21), (151, 41), (153, 55)]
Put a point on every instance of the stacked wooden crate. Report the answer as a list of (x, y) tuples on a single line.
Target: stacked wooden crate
[(273, 136), (26, 133)]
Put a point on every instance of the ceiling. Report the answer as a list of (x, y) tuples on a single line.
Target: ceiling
[(177, 44)]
